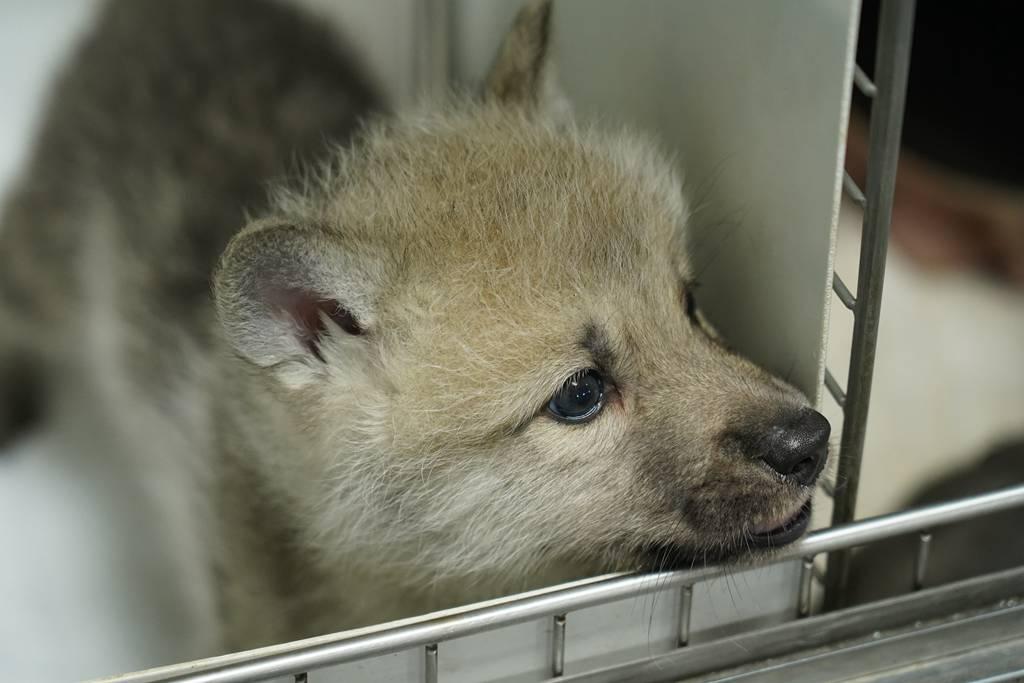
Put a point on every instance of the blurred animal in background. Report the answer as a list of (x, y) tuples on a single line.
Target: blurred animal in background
[(446, 355)]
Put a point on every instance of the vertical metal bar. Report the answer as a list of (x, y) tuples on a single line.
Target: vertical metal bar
[(892, 63), (924, 544), (806, 582), (685, 609), (558, 646), (430, 664)]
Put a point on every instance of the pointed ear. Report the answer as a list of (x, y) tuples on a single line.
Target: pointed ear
[(282, 291), (523, 73)]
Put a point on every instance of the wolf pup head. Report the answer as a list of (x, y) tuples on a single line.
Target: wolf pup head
[(478, 356)]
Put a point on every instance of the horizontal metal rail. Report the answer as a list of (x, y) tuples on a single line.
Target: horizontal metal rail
[(558, 601), (771, 653)]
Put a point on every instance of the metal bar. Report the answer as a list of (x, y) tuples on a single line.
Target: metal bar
[(843, 292), (833, 388), (1015, 676), (806, 578), (924, 543), (852, 191), (892, 62), (981, 596), (864, 84), (685, 610), (930, 653), (1001, 659), (558, 646), (430, 663), (546, 604)]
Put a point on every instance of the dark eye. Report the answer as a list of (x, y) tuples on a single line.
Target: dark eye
[(579, 399)]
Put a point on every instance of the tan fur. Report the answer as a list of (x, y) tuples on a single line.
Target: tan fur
[(486, 240), (465, 262)]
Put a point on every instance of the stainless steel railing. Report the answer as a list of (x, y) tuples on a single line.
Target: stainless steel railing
[(558, 603)]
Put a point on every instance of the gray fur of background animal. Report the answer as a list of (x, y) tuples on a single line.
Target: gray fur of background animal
[(357, 412), (148, 141)]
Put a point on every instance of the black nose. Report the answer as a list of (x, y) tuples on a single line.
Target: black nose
[(797, 446)]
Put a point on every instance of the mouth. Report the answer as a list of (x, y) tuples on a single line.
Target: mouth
[(775, 533), (779, 532)]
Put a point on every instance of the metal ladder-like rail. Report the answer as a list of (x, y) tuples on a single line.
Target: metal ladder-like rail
[(887, 94), (558, 603)]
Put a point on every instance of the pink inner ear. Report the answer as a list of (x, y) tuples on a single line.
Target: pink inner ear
[(307, 309)]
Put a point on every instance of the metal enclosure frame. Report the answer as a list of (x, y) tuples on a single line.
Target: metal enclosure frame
[(887, 94)]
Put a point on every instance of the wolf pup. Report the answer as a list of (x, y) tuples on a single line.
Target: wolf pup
[(459, 355)]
